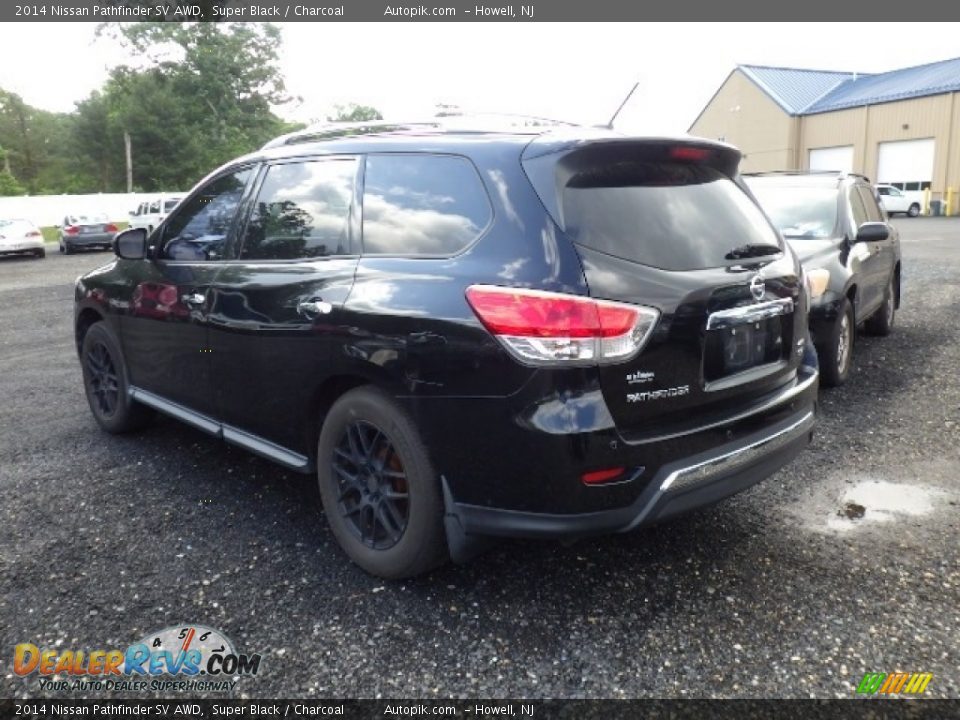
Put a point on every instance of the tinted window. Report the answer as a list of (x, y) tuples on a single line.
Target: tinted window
[(870, 204), (422, 205), (302, 211), (804, 213), (170, 205), (667, 215), (198, 231), (155, 206), (886, 191)]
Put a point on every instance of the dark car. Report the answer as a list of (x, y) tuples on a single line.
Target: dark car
[(466, 334), (837, 227), (86, 231)]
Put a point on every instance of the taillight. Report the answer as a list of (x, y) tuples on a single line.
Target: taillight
[(111, 227), (546, 328), (71, 229), (33, 233)]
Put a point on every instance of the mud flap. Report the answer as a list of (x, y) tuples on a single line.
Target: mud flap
[(463, 546)]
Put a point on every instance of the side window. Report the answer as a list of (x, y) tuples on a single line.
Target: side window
[(886, 191), (870, 204), (155, 206), (302, 211), (199, 229), (859, 213), (422, 205)]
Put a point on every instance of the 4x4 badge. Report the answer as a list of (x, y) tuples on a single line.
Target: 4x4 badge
[(758, 287)]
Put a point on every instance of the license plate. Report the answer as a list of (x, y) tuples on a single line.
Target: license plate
[(91, 229), (751, 344)]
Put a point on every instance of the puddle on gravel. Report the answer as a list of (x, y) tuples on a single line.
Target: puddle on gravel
[(881, 501)]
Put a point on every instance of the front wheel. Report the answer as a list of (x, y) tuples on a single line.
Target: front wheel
[(836, 354), (106, 385), (914, 210), (380, 492)]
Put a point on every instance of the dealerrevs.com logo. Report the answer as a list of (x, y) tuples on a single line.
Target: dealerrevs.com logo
[(187, 657)]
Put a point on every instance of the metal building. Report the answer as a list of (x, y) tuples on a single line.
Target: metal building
[(900, 127)]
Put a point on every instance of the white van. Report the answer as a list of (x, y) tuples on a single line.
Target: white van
[(151, 213)]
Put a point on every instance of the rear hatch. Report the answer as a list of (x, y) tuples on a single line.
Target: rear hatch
[(666, 224)]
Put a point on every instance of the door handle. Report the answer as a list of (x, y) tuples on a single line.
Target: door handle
[(193, 299), (313, 308)]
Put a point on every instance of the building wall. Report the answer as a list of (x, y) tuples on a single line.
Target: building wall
[(742, 114), (936, 116)]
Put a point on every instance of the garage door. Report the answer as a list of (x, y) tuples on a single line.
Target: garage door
[(907, 164), (832, 158)]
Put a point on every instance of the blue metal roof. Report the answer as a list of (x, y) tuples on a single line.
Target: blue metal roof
[(932, 79), (793, 89), (806, 92)]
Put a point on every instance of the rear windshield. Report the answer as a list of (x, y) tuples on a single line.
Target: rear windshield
[(674, 216), (801, 213)]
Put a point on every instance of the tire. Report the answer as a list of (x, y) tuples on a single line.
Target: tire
[(881, 322), (106, 385), (913, 210), (836, 357), (41, 253), (62, 251), (369, 447), (68, 248)]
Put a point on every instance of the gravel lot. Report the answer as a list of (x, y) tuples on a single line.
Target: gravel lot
[(773, 593)]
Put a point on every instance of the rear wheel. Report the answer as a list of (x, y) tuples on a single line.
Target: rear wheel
[(837, 353), (380, 493), (881, 322), (66, 248), (41, 253), (106, 385), (914, 210)]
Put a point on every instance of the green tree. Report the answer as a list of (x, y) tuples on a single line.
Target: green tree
[(201, 94), (8, 183), (354, 113)]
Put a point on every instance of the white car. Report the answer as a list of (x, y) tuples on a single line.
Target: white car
[(896, 201), (151, 213), (21, 237)]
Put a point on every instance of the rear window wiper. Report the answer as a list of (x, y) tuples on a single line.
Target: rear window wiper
[(753, 250)]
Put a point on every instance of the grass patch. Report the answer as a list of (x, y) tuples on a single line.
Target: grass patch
[(52, 235)]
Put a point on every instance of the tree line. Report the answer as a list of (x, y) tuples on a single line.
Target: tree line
[(193, 97)]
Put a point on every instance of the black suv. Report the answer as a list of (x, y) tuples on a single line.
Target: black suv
[(851, 255), (467, 334)]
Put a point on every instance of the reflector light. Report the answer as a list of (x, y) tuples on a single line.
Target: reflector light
[(596, 477)]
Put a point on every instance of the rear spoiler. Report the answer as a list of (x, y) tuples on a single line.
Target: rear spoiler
[(551, 159)]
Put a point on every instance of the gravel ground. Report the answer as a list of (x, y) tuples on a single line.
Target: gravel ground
[(776, 592)]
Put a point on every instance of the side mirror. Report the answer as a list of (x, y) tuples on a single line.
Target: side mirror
[(872, 232), (131, 244)]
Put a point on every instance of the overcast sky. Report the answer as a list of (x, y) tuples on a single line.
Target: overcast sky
[(578, 72)]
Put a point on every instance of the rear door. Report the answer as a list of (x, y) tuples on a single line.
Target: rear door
[(273, 310), (666, 225), (882, 254)]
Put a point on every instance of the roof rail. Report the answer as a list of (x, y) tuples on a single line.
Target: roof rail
[(449, 124), (838, 173)]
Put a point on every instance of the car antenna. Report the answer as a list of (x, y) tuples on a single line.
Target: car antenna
[(613, 117)]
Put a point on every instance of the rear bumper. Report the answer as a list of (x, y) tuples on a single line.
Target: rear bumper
[(678, 487), (87, 240), (21, 248)]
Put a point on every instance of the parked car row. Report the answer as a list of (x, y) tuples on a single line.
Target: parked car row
[(88, 231), (465, 335)]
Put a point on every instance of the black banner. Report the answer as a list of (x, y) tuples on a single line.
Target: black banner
[(180, 709), (467, 11)]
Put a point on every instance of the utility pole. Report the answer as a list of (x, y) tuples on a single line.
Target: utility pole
[(126, 147)]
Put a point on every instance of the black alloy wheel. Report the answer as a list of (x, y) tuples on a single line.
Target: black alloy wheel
[(372, 483), (103, 380)]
